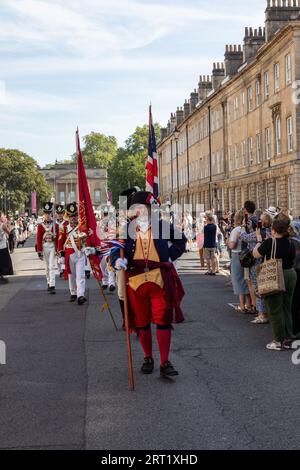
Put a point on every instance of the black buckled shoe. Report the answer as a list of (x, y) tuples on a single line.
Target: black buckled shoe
[(73, 298), (81, 300), (148, 366), (168, 370)]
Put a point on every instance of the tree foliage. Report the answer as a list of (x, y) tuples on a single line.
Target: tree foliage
[(19, 177), (99, 150), (128, 167)]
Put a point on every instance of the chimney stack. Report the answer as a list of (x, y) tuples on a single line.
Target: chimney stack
[(253, 41), (169, 127), (179, 116), (218, 75), (173, 122), (204, 87), (186, 109), (193, 100), (278, 14), (234, 58), (163, 133)]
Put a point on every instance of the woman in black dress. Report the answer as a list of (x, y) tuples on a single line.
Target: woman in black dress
[(6, 268)]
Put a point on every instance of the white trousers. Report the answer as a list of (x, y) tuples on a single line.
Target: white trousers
[(50, 262), (61, 264), (87, 265), (77, 276), (109, 277)]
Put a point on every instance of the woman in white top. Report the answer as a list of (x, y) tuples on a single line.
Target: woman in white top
[(237, 272), (6, 268)]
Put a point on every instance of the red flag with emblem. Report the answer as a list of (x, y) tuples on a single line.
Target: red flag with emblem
[(86, 216)]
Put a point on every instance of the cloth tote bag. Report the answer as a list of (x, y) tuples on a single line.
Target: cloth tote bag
[(270, 279)]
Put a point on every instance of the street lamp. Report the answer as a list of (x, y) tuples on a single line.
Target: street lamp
[(176, 134)]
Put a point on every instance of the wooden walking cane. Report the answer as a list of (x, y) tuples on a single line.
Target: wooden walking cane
[(126, 318)]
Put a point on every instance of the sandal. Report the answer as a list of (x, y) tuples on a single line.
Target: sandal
[(259, 320), (275, 346), (239, 309)]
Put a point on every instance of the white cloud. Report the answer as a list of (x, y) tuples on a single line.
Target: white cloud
[(28, 102), (95, 28)]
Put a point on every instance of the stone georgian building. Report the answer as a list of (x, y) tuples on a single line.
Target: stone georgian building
[(63, 179), (238, 136)]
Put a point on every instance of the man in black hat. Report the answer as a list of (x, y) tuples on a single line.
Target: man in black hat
[(154, 288), (71, 245), (46, 245), (60, 222)]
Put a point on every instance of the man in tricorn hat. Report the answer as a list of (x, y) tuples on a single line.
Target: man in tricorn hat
[(46, 239), (154, 288), (71, 245)]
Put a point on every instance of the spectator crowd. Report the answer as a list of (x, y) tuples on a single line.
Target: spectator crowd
[(251, 237), (14, 232)]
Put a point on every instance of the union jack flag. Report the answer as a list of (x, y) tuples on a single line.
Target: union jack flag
[(152, 166)]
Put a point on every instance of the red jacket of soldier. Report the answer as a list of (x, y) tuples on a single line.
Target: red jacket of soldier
[(42, 234)]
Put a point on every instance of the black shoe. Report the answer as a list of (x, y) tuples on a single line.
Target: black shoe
[(73, 298), (148, 366), (52, 290), (81, 300), (87, 275), (48, 288), (61, 274), (168, 370), (112, 288), (104, 287)]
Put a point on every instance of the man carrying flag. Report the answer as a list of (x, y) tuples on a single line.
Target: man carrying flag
[(71, 244)]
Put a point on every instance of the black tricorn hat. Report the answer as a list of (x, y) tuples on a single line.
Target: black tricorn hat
[(72, 209), (48, 207), (129, 193), (60, 209), (144, 197)]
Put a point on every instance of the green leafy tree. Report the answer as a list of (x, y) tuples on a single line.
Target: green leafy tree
[(128, 167), (19, 177), (99, 150), (137, 143)]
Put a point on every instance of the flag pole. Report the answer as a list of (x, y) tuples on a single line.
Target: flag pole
[(126, 318), (87, 201), (106, 305)]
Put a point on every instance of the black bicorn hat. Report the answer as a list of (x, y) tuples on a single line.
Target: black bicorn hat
[(129, 193), (47, 207), (72, 209), (60, 209), (144, 197)]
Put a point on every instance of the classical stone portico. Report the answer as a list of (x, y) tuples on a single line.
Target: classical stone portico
[(63, 180)]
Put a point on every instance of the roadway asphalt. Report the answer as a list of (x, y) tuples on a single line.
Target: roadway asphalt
[(65, 384)]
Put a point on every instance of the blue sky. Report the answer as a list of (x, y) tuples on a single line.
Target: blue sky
[(98, 63)]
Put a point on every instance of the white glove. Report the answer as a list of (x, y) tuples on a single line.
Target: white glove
[(121, 264), (90, 251)]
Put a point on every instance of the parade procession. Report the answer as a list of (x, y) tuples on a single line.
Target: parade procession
[(150, 261)]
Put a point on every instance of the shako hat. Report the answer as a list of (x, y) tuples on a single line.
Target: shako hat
[(47, 207), (144, 197), (72, 209), (60, 209)]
